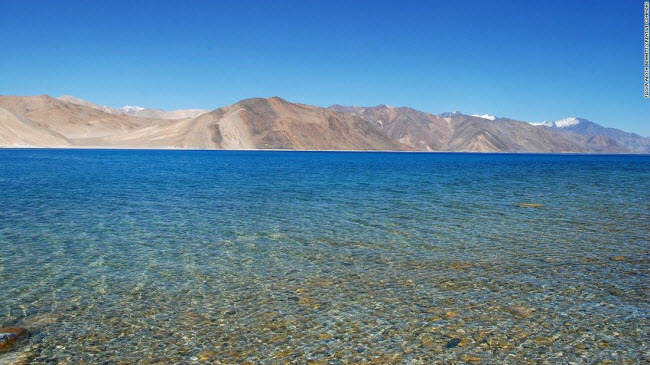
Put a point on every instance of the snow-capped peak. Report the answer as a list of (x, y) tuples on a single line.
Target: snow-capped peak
[(567, 122), (485, 116), (544, 124), (131, 109), (562, 123)]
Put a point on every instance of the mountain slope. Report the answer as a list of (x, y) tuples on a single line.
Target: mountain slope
[(459, 132), (137, 111), (73, 121), (505, 135), (159, 113), (273, 123), (598, 138), (256, 123), (16, 131), (419, 130)]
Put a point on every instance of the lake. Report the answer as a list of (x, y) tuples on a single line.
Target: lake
[(325, 257)]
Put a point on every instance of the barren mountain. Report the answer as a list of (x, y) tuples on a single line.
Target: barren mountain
[(75, 100), (77, 123), (137, 111), (419, 130), (16, 131), (274, 123), (505, 135), (597, 138), (262, 123), (256, 123), (159, 113), (459, 132)]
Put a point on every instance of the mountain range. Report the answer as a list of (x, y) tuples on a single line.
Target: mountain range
[(597, 138), (274, 123), (137, 111)]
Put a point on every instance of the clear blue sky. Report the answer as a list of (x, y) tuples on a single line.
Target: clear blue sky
[(528, 60)]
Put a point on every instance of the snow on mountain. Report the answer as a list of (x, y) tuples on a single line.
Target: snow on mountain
[(457, 113), (562, 123), (485, 116), (567, 122), (598, 138), (544, 124), (131, 109), (137, 111)]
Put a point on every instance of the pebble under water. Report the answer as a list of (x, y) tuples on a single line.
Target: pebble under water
[(324, 257)]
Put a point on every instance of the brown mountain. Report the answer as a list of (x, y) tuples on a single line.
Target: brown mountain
[(419, 130), (458, 132), (597, 138), (258, 123), (599, 143), (274, 123), (78, 124), (137, 111), (478, 134), (16, 131)]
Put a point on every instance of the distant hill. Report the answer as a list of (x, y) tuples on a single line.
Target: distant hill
[(137, 111), (595, 137), (16, 131), (258, 123), (274, 123), (459, 132), (74, 122)]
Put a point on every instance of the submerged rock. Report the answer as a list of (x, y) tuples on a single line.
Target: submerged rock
[(519, 311), (459, 265), (529, 205), (453, 343), (21, 357), (41, 320), (9, 336)]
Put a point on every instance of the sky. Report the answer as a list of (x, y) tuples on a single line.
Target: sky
[(525, 60)]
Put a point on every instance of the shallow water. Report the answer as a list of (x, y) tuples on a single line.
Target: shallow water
[(276, 257)]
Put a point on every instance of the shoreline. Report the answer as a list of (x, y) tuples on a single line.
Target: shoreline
[(118, 148)]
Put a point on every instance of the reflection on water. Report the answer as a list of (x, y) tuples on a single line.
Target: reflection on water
[(276, 257)]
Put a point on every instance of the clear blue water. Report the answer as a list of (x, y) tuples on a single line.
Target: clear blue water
[(276, 257)]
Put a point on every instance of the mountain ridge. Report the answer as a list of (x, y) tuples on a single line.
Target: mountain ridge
[(256, 123), (274, 123), (459, 132), (598, 137), (137, 111)]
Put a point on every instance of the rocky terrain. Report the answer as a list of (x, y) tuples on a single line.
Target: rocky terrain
[(597, 138), (274, 123), (459, 132), (137, 111)]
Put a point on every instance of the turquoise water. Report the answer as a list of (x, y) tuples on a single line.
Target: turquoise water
[(277, 257)]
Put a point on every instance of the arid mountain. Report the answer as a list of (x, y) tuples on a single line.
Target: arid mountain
[(274, 123), (76, 123), (505, 135), (16, 131), (459, 132), (137, 111), (75, 100), (419, 130), (597, 138), (256, 123)]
